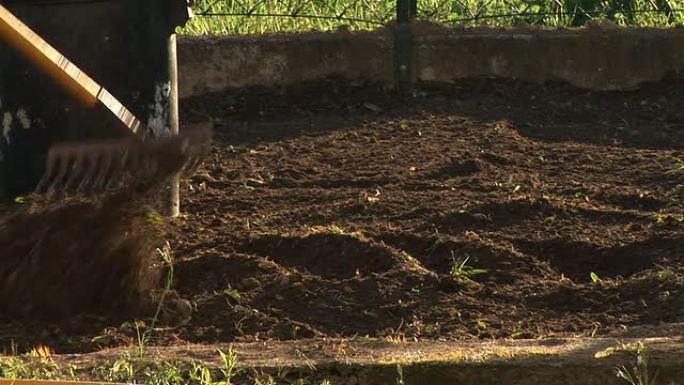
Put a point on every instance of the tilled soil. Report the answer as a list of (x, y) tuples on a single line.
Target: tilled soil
[(475, 210)]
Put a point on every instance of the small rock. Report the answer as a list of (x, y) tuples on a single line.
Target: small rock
[(284, 281), (249, 283), (602, 24), (184, 308), (178, 311)]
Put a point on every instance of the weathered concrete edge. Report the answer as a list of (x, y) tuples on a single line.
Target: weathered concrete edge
[(215, 64), (593, 58), (571, 361), (588, 58)]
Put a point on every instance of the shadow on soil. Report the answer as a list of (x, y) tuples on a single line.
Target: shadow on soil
[(552, 112)]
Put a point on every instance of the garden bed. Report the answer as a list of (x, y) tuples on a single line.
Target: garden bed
[(484, 209)]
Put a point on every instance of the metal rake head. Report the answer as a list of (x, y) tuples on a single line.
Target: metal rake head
[(96, 166)]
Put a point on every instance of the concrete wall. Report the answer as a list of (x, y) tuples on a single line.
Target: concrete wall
[(213, 64), (600, 58)]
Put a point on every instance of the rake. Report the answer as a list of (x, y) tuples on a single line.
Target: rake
[(96, 166), (93, 166)]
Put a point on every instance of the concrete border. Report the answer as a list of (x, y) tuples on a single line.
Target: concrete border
[(211, 64), (375, 362), (595, 57)]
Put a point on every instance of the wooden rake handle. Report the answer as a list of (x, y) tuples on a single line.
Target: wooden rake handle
[(51, 62)]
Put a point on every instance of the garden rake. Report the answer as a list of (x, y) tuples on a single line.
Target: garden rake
[(93, 166)]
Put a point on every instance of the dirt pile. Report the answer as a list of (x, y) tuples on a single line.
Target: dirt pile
[(534, 210), (61, 257), (80, 256)]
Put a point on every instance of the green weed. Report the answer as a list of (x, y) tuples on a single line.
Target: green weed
[(230, 368), (232, 293), (337, 230), (400, 375), (460, 268), (663, 272), (14, 368), (677, 168), (640, 373), (120, 370), (143, 337), (153, 216), (125, 369), (594, 278)]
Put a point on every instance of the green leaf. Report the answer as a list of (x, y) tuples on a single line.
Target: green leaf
[(594, 277), (154, 217), (232, 293)]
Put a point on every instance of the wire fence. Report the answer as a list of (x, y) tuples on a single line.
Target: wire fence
[(555, 13), (217, 17), (266, 16)]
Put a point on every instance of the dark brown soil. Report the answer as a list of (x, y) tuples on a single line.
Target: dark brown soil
[(77, 257), (341, 209)]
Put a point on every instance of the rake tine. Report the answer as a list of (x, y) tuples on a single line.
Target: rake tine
[(52, 160), (139, 167), (193, 155), (105, 167), (90, 172), (149, 167), (65, 163), (184, 154), (76, 168), (195, 159), (134, 161), (194, 164), (203, 154), (115, 178), (100, 165)]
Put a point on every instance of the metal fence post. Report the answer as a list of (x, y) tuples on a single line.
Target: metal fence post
[(403, 55), (174, 188), (407, 10)]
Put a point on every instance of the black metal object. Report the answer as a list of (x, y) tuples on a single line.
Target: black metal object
[(407, 11), (122, 44)]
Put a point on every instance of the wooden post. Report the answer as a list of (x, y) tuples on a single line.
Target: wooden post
[(174, 125)]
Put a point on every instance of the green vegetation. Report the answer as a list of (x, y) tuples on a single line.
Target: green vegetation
[(677, 167), (640, 373), (232, 293), (594, 277), (128, 369), (132, 369), (264, 16), (219, 17), (144, 337), (460, 268), (227, 370)]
